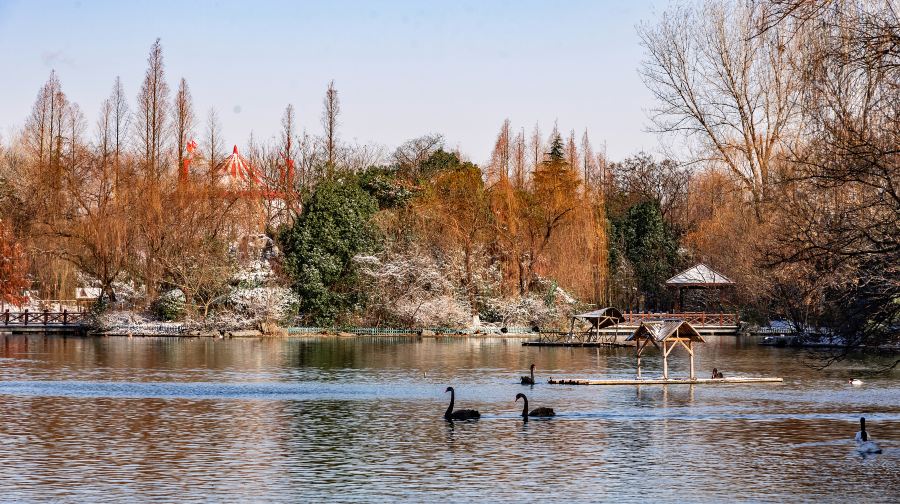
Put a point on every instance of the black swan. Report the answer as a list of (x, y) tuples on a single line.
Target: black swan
[(863, 444), (463, 414), (536, 412), (529, 380)]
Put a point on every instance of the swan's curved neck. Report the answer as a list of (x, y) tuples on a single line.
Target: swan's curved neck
[(449, 411), (532, 373), (525, 407)]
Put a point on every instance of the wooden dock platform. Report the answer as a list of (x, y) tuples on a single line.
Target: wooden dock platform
[(670, 381), (585, 344)]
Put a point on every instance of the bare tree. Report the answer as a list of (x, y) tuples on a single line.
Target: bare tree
[(287, 148), (572, 151), (74, 131), (412, 153), (500, 158), (520, 170), (153, 114), (536, 147), (331, 108), (838, 232), (588, 162), (184, 124), (39, 126), (120, 116), (45, 138), (718, 83), (213, 146)]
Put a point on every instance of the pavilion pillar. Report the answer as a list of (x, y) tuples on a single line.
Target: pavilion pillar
[(691, 352), (638, 348), (665, 361)]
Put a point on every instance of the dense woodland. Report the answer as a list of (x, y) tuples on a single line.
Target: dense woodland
[(784, 174)]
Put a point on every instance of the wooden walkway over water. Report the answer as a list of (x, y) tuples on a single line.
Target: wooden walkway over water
[(43, 321)]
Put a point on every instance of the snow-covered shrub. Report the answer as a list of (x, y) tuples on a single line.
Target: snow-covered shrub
[(264, 304), (410, 288), (521, 311), (171, 305), (254, 273)]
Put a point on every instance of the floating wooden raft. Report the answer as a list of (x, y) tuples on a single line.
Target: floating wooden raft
[(670, 381)]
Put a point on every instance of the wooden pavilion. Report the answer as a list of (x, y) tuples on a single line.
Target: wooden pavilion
[(599, 319), (699, 276), (669, 333)]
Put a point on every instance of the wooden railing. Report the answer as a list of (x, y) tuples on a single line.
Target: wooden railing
[(564, 337), (25, 318), (694, 318)]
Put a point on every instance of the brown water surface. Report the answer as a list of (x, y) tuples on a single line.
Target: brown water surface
[(307, 419)]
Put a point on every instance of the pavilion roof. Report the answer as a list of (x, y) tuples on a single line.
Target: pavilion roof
[(664, 330), (604, 317), (699, 275)]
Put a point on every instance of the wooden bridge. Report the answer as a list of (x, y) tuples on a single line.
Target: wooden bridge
[(43, 321)]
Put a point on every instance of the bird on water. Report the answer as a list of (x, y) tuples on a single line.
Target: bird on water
[(863, 444), (463, 414), (529, 380), (536, 412), (855, 382)]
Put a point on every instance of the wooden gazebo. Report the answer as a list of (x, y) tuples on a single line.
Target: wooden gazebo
[(599, 319), (670, 333), (699, 276)]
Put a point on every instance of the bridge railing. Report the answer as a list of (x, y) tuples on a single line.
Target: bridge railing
[(45, 317), (694, 318)]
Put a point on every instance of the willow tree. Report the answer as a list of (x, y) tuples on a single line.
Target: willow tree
[(455, 212)]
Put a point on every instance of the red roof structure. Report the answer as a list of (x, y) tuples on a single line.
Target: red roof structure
[(239, 170)]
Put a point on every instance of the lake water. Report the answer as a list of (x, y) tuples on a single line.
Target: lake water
[(307, 419)]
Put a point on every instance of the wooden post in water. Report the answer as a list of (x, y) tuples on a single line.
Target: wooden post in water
[(665, 361), (637, 347), (691, 351)]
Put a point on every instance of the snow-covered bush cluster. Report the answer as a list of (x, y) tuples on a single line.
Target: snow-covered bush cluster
[(256, 296), (548, 306), (411, 289), (171, 305), (265, 304), (417, 289)]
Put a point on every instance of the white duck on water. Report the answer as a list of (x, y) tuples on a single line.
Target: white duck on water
[(855, 382), (863, 444)]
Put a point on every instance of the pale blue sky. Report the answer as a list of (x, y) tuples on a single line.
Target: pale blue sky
[(402, 68)]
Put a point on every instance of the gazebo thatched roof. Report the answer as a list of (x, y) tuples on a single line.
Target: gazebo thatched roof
[(666, 330), (604, 317), (700, 275)]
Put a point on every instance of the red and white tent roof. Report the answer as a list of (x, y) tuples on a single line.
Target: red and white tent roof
[(238, 169)]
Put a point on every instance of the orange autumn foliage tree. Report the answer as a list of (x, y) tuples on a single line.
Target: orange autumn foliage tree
[(455, 214), (552, 227), (13, 268)]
